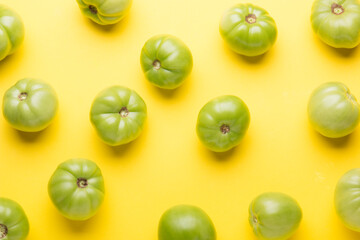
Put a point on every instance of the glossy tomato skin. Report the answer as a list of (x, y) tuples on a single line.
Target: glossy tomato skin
[(14, 224), (12, 31), (337, 22), (248, 29), (77, 189), (166, 61), (333, 111), (118, 115), (30, 105), (222, 123), (105, 12), (274, 216), (347, 199), (185, 222)]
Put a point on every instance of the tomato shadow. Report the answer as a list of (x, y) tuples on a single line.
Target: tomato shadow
[(117, 27), (249, 60), (341, 52), (342, 142), (13, 59)]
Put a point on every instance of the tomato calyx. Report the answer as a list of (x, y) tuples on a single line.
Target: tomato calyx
[(251, 18), (156, 64), (22, 96), (3, 231), (337, 9), (225, 128), (124, 112), (82, 182), (93, 9)]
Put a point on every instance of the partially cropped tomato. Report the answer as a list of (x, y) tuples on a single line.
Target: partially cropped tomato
[(222, 123), (248, 29), (105, 12), (337, 22), (347, 199), (184, 222), (118, 115), (14, 224), (77, 189), (166, 61), (30, 105), (11, 31), (333, 111), (274, 216)]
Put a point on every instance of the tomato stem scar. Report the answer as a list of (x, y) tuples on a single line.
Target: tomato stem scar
[(251, 18), (3, 231), (93, 9), (337, 9), (22, 96), (156, 64), (124, 112), (225, 128), (82, 183)]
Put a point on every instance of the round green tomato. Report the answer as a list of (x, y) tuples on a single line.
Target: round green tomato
[(347, 199), (337, 22), (185, 222), (274, 216), (77, 189), (118, 115), (30, 105), (14, 224), (333, 111), (105, 12), (166, 61), (222, 123), (248, 29), (11, 31)]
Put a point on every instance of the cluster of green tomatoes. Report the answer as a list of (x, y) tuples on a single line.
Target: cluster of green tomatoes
[(118, 114)]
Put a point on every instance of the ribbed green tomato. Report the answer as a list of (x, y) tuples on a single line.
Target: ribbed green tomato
[(274, 216), (30, 105), (222, 123), (77, 189), (248, 29), (333, 111), (11, 31), (347, 199), (14, 224), (118, 115), (105, 12), (184, 222), (166, 61), (337, 22)]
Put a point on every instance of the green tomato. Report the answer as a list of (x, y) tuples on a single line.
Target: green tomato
[(166, 61), (274, 216), (333, 111), (222, 123), (14, 224), (118, 115), (184, 222), (105, 12), (77, 189), (248, 29), (30, 105), (11, 31), (337, 22)]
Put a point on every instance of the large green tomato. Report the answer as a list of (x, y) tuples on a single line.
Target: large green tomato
[(77, 189), (184, 222), (222, 123), (105, 12), (14, 224), (248, 29), (118, 115), (11, 31), (30, 105), (166, 61), (347, 199), (274, 216), (337, 22), (333, 111)]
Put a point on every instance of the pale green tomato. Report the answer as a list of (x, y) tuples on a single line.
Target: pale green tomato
[(14, 224), (274, 216), (337, 22), (30, 105), (184, 222), (166, 61), (333, 111), (11, 31), (105, 12), (248, 29), (77, 189), (118, 115)]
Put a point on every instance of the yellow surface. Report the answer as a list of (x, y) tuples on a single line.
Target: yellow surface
[(168, 165)]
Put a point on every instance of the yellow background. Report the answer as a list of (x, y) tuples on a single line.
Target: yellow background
[(167, 165)]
